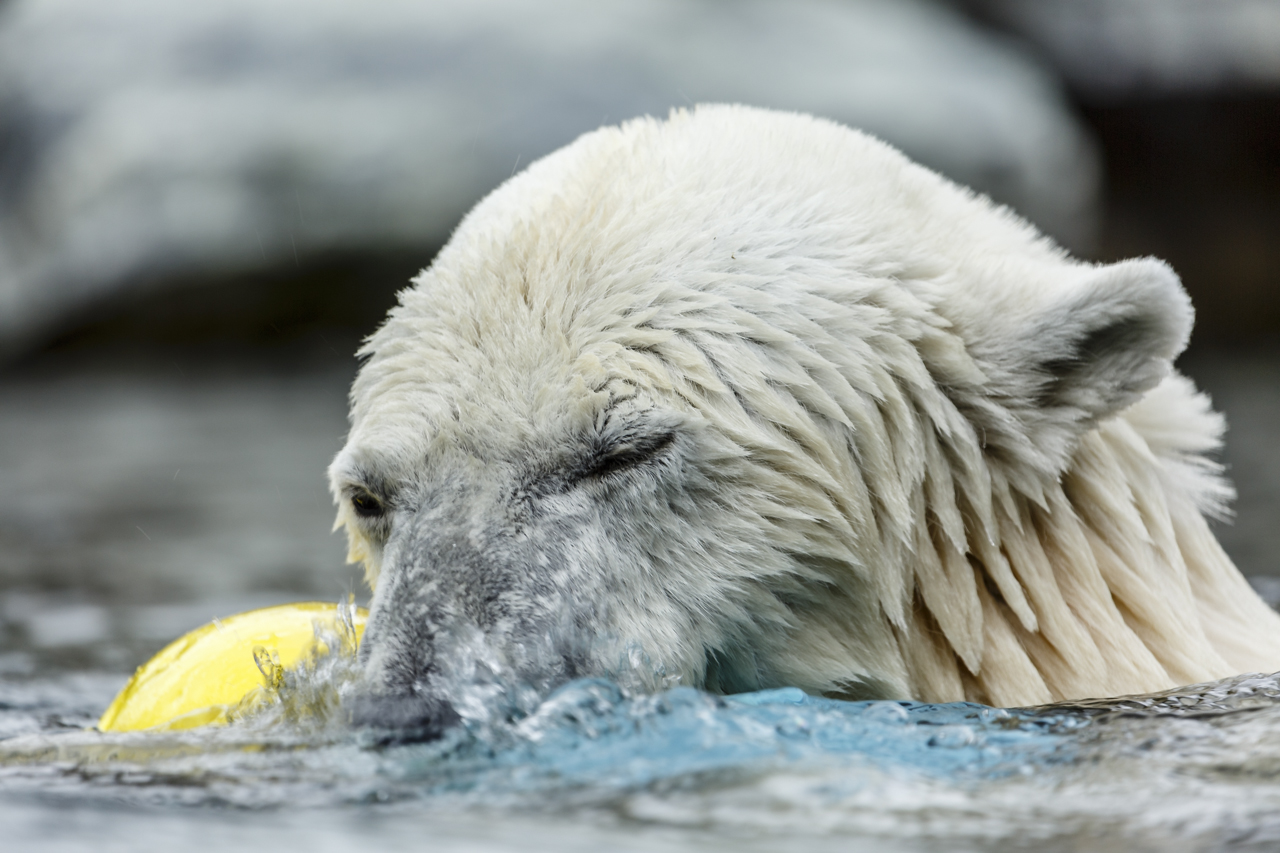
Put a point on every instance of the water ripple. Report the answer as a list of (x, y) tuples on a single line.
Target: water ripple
[(1195, 768)]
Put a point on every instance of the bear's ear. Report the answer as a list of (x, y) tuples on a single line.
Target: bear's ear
[(1069, 356), (1109, 342)]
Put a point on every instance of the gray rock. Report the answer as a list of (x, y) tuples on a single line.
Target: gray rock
[(169, 487), (1121, 48), (146, 143), (1245, 386)]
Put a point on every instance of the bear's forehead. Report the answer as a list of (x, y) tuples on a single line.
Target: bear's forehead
[(509, 391), (530, 333), (483, 409)]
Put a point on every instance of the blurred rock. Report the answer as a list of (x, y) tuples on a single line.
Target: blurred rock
[(1245, 386), (166, 485), (1183, 98), (1194, 178), (1119, 48), (148, 144)]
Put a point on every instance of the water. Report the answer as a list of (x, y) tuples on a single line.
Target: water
[(590, 767)]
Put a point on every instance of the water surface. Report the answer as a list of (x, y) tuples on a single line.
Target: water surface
[(592, 768)]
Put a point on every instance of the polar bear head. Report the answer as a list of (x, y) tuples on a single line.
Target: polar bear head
[(739, 399)]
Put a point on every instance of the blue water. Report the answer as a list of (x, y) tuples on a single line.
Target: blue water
[(588, 737), (590, 767)]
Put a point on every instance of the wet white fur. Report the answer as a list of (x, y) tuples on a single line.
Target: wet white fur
[(925, 464)]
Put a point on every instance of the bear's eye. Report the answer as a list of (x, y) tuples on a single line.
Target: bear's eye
[(366, 505), (626, 454)]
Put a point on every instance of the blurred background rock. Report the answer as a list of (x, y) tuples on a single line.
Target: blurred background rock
[(204, 206)]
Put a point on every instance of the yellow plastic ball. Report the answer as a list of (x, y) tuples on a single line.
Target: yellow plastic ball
[(202, 676)]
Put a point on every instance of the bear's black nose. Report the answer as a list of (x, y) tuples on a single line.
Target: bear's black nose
[(401, 718)]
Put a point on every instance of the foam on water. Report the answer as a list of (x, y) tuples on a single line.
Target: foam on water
[(1197, 768)]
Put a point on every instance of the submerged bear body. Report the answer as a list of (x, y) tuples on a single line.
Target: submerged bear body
[(745, 399)]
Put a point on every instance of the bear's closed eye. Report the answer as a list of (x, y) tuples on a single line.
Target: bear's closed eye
[(618, 457)]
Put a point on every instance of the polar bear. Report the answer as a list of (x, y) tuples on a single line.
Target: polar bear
[(752, 399)]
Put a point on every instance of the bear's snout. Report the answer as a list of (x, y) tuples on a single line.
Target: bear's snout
[(464, 594)]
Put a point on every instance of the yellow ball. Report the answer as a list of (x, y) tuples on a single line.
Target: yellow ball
[(202, 676)]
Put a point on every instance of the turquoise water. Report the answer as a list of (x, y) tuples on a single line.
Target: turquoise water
[(592, 768)]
